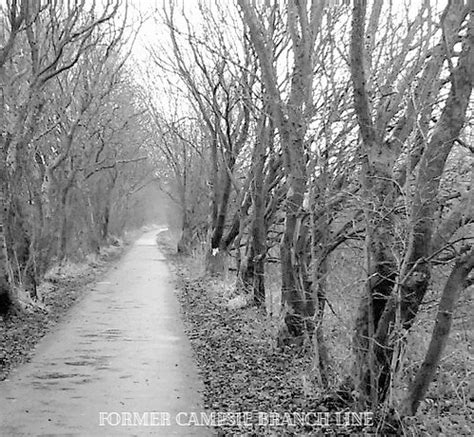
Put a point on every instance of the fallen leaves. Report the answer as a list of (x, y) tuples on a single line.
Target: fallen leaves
[(241, 369)]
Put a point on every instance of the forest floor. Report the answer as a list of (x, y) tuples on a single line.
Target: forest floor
[(244, 371), (116, 363)]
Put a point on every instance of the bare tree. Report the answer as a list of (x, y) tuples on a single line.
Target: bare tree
[(291, 117), (46, 47), (395, 290)]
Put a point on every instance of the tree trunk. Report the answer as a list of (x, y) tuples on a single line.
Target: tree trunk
[(63, 221), (294, 287), (451, 292), (320, 352), (62, 233), (253, 277), (185, 240), (377, 319), (320, 236), (416, 271), (215, 260), (6, 298), (291, 120), (104, 228), (378, 192)]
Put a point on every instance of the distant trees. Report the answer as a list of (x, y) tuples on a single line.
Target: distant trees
[(179, 159), (218, 81), (69, 122)]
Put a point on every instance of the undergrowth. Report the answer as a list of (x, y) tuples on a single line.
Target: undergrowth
[(244, 371)]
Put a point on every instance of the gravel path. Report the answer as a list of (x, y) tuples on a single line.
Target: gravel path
[(120, 364)]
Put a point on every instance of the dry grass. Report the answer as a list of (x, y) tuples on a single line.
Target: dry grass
[(273, 290), (344, 288)]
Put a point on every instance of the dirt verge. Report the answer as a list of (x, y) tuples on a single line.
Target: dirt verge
[(63, 286)]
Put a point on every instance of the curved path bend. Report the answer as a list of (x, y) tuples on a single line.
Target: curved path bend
[(119, 364)]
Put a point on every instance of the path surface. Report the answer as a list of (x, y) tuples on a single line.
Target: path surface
[(120, 358)]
